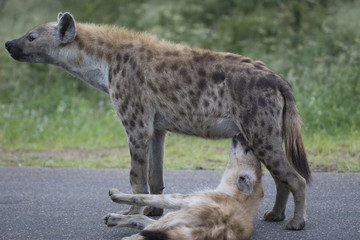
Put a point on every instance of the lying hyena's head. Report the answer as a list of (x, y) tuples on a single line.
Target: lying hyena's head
[(243, 170), (43, 43)]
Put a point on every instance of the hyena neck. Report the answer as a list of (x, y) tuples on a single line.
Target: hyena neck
[(94, 50)]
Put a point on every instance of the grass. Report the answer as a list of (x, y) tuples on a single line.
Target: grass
[(48, 118)]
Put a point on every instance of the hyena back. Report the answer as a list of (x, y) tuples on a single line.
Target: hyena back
[(227, 212), (156, 86)]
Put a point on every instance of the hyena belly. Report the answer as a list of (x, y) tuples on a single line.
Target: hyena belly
[(206, 127)]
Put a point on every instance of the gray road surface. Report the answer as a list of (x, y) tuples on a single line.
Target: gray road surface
[(48, 203)]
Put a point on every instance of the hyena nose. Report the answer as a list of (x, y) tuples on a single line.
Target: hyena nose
[(7, 45)]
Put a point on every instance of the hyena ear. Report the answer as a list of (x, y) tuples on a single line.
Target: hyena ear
[(60, 14), (66, 28), (244, 183)]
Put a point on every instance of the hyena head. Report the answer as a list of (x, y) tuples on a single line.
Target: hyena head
[(243, 170), (41, 44)]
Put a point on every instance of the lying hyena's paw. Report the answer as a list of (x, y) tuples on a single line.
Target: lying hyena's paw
[(113, 191), (295, 224), (109, 220), (152, 211), (272, 216)]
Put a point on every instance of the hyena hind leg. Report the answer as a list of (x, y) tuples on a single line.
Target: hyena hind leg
[(282, 195), (131, 221), (287, 180)]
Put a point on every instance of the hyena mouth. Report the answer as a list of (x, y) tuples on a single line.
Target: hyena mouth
[(15, 53)]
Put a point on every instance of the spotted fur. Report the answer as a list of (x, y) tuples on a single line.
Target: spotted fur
[(157, 86)]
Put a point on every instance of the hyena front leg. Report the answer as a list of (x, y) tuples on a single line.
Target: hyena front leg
[(156, 181), (173, 201), (139, 152), (131, 221)]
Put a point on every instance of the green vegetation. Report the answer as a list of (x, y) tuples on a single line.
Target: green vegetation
[(48, 118)]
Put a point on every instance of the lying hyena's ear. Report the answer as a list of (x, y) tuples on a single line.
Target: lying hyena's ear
[(244, 183), (66, 29), (60, 14)]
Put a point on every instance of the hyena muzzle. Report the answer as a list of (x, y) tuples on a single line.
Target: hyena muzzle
[(156, 86)]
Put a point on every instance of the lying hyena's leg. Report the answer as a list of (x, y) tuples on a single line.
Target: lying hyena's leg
[(272, 155), (156, 181), (131, 221), (174, 201)]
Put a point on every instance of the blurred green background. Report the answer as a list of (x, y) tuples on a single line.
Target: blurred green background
[(48, 118)]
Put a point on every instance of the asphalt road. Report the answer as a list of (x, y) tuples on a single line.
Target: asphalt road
[(48, 203)]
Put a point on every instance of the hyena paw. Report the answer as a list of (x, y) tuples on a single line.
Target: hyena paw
[(295, 224), (113, 191), (108, 220), (152, 211), (272, 216)]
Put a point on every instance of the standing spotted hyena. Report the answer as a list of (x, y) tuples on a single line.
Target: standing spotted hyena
[(157, 86), (227, 212)]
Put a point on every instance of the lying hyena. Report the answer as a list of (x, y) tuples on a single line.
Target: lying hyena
[(227, 212), (157, 86)]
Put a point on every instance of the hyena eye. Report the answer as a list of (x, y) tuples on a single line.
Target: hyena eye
[(30, 38)]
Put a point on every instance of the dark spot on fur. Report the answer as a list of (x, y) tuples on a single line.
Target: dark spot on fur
[(253, 111), (270, 130), (133, 64), (163, 88), (269, 148), (202, 84), (174, 67), (152, 87), (160, 67), (268, 167), (276, 164), (118, 57), (140, 77), (123, 72), (218, 77), (110, 76), (262, 102), (261, 153), (206, 103), (262, 123), (126, 57), (132, 123), (202, 72), (246, 60), (275, 172), (183, 72), (174, 99), (138, 159)]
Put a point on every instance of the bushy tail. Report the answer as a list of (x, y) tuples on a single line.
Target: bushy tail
[(294, 147)]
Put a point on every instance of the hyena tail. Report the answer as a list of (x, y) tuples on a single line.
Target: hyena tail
[(294, 146), (154, 235)]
